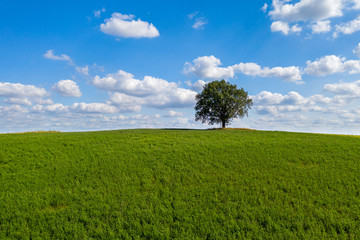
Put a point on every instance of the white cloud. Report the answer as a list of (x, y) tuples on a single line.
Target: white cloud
[(347, 28), (174, 98), (18, 90), (173, 114), (57, 107), (292, 98), (317, 98), (199, 23), (67, 88), (83, 70), (208, 67), (93, 108), (53, 108), (43, 101), (264, 7), (126, 103), (289, 74), (353, 66), (19, 101), (356, 50), (122, 25), (283, 27), (97, 13), (197, 86), (317, 12), (151, 91), (6, 110), (321, 26), (306, 10), (126, 83), (351, 90), (280, 26), (356, 4), (326, 65), (332, 64), (276, 104), (63, 57)]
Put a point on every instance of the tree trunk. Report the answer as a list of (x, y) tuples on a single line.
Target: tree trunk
[(223, 123)]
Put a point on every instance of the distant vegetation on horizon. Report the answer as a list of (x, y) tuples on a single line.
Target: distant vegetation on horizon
[(176, 184)]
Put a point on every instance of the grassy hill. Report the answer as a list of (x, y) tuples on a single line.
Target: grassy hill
[(179, 184)]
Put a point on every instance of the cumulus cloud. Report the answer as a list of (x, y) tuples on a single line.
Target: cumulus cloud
[(306, 10), (351, 90), (321, 26), (6, 110), (93, 108), (63, 57), (67, 88), (208, 67), (18, 101), (288, 74), (317, 12), (347, 28), (18, 90), (175, 98), (126, 83), (326, 65), (53, 108), (173, 114), (292, 98), (283, 27), (151, 91), (332, 64), (268, 103), (123, 25), (125, 102)]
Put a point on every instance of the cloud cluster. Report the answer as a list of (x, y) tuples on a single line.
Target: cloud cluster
[(67, 88), (343, 101), (123, 25), (151, 91), (332, 64), (284, 27), (18, 90), (208, 67), (313, 14), (347, 28), (349, 90)]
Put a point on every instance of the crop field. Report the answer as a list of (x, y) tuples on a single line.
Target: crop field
[(179, 184)]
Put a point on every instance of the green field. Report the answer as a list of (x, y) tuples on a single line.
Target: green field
[(179, 184)]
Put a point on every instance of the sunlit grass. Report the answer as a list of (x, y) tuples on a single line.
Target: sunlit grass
[(179, 184)]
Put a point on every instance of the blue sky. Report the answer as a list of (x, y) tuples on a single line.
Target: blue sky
[(94, 65)]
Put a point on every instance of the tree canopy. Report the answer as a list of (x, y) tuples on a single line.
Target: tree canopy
[(220, 102)]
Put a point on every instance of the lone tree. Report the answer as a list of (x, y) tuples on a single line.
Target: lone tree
[(220, 102)]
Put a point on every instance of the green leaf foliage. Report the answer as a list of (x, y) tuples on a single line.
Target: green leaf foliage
[(220, 102)]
